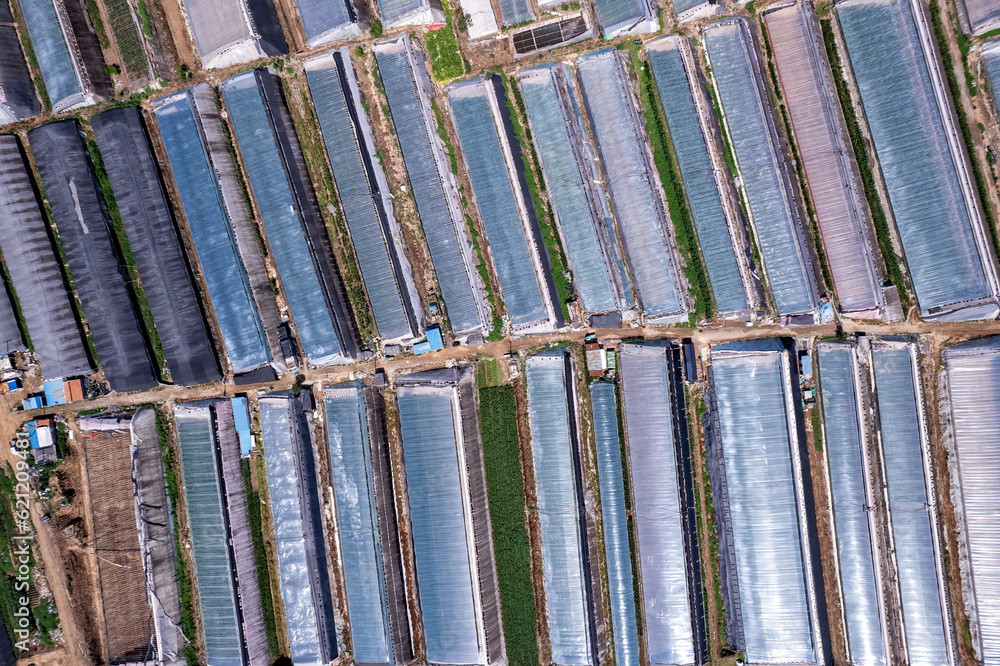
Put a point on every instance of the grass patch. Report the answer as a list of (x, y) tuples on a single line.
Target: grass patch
[(260, 558), (797, 160), (11, 589), (680, 215), (892, 269), (447, 62), (532, 173), (505, 485), (377, 30), (147, 27), (817, 425), (963, 121), (125, 251)]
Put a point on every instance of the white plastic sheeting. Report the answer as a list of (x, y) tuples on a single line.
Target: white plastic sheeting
[(223, 32), (973, 382), (411, 12), (845, 443), (552, 441), (759, 432), (805, 77), (936, 210), (441, 523), (912, 507), (482, 20), (649, 422), (766, 180), (276, 414), (603, 403), (327, 20), (636, 196)]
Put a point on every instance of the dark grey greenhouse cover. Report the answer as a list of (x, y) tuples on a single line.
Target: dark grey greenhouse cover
[(365, 197), (34, 271), (17, 92), (295, 230), (108, 303), (10, 335), (125, 150)]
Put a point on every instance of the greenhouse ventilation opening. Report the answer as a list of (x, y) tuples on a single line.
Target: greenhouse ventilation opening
[(449, 517), (772, 586), (367, 530)]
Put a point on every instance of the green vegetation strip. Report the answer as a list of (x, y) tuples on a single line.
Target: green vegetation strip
[(94, 12), (260, 558), (797, 160), (126, 252), (447, 62), (29, 54), (963, 123), (147, 26), (532, 173), (680, 215), (505, 485), (893, 271)]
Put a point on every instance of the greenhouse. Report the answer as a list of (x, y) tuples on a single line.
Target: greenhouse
[(689, 10), (710, 196), (983, 16), (209, 192), (293, 224), (449, 517), (575, 191), (297, 512), (771, 584), (620, 17), (614, 514), (17, 92), (636, 196), (840, 209), (662, 487), (855, 528), (85, 235), (411, 12), (327, 20), (767, 183), (408, 91), (912, 506), (989, 58), (569, 598), (55, 49), (365, 507), (223, 32), (152, 236), (10, 333), (935, 205), (34, 272), (365, 197), (214, 570), (492, 157), (515, 12), (972, 371)]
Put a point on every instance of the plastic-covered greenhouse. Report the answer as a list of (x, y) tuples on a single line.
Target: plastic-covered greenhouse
[(408, 90), (934, 204), (449, 517), (636, 196), (210, 195), (499, 190), (214, 569), (558, 478), (912, 505), (223, 32), (17, 92), (34, 271), (327, 20), (411, 12), (155, 245), (298, 520), (761, 490), (797, 47), (982, 15), (366, 524), (615, 520), (365, 197), (514, 12), (989, 58), (688, 10), (618, 17), (85, 234), (775, 216), (972, 371), (58, 60), (855, 527), (575, 190), (10, 333), (291, 218), (663, 490), (710, 195)]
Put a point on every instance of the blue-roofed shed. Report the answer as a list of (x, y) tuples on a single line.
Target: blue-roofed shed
[(33, 402), (55, 392), (433, 342), (241, 414)]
